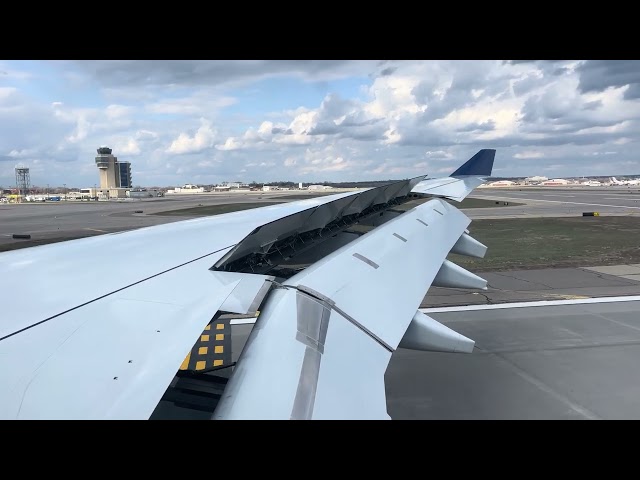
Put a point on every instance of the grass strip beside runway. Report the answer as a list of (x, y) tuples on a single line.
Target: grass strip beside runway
[(524, 243)]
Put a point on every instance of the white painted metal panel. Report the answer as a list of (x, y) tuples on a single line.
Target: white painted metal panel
[(381, 278), (454, 276), (456, 188), (114, 357), (267, 373), (248, 294), (351, 383), (52, 279), (467, 245), (425, 333), (305, 361), (432, 183), (332, 349)]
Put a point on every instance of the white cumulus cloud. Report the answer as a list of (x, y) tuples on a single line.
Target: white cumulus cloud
[(203, 139)]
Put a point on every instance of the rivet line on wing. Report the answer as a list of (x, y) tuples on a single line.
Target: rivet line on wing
[(107, 294)]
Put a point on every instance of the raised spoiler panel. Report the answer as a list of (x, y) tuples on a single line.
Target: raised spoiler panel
[(323, 216), (334, 354)]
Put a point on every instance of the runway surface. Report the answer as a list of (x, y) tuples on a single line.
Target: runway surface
[(77, 219), (542, 284), (557, 202), (555, 362)]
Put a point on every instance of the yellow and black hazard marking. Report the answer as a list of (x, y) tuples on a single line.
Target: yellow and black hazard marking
[(213, 348)]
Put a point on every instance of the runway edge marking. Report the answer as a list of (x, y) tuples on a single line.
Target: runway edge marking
[(541, 303)]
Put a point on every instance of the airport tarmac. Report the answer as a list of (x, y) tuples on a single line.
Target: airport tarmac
[(541, 284), (553, 362), (558, 202), (76, 219)]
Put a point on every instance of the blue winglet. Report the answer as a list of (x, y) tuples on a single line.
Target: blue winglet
[(480, 164)]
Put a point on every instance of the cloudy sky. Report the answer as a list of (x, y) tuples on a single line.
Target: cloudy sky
[(210, 121)]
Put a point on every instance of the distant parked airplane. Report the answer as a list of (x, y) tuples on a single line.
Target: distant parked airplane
[(615, 181)]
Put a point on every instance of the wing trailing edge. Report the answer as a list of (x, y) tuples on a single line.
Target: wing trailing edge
[(332, 328)]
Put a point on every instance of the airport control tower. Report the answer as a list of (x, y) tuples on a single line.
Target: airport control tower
[(108, 166)]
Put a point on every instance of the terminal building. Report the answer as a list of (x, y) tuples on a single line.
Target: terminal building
[(115, 176), (556, 182), (186, 189), (501, 183)]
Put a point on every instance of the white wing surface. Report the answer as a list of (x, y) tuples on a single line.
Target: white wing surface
[(331, 329), (461, 182), (102, 324)]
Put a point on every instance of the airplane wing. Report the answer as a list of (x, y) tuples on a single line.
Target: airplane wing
[(98, 327), (332, 328), (461, 182)]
